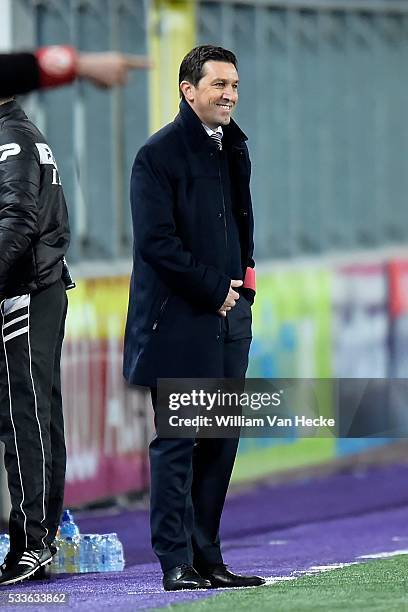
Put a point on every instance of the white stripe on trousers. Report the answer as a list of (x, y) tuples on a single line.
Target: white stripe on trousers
[(38, 421), (18, 332), (16, 304), (14, 429), (16, 320)]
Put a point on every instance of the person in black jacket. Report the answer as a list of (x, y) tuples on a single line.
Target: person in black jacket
[(34, 237), (57, 65), (189, 312)]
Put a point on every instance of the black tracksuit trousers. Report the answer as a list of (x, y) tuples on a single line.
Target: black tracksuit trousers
[(31, 419)]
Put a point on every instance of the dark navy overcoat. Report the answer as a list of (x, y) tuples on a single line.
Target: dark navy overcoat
[(180, 250)]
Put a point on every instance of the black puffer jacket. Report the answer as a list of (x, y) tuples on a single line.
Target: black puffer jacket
[(34, 230)]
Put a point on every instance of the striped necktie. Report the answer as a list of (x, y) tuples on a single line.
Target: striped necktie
[(217, 137)]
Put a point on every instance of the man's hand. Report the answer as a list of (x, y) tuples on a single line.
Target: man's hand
[(110, 68), (231, 298)]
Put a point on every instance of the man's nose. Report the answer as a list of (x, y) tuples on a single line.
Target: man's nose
[(230, 93)]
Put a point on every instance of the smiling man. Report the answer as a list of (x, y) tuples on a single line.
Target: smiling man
[(189, 314)]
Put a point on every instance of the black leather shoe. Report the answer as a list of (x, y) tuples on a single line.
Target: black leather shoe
[(184, 577), (220, 577)]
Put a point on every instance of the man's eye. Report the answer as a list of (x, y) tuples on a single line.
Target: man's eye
[(219, 84), (235, 86)]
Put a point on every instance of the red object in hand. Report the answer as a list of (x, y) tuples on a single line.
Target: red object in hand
[(250, 279), (57, 65)]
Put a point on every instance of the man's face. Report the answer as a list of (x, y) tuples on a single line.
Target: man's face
[(216, 93)]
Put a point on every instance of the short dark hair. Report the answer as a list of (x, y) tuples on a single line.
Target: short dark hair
[(191, 68)]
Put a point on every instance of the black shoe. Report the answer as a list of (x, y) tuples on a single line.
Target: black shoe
[(184, 577), (221, 577), (22, 565), (44, 572)]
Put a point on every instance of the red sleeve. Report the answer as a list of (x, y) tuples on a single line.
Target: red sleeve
[(57, 65), (250, 279)]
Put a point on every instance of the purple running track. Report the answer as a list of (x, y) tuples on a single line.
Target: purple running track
[(270, 530)]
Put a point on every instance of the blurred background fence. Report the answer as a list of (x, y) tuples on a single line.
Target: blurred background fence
[(323, 99)]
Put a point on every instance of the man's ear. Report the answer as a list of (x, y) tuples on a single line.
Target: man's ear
[(187, 89)]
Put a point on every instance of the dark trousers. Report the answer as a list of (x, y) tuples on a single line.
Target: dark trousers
[(190, 478), (31, 419)]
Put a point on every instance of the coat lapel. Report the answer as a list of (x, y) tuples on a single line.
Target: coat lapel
[(196, 135)]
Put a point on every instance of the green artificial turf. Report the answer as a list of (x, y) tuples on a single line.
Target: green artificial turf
[(380, 585), (286, 455)]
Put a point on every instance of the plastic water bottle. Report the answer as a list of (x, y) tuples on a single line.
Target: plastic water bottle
[(111, 553), (55, 564), (4, 546), (68, 527), (58, 564), (89, 553), (119, 559), (106, 558), (69, 556)]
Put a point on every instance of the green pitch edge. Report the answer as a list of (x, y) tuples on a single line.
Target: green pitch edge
[(293, 454), (377, 586)]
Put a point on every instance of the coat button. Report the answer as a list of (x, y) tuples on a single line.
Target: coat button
[(218, 336), (220, 215)]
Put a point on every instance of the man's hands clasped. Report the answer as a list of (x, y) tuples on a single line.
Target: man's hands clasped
[(231, 299)]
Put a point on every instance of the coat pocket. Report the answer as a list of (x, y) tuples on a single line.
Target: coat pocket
[(240, 320)]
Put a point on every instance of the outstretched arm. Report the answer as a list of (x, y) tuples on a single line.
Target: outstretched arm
[(61, 64)]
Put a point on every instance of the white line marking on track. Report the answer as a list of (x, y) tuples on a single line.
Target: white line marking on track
[(209, 591), (384, 555), (312, 570), (275, 579), (317, 569)]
